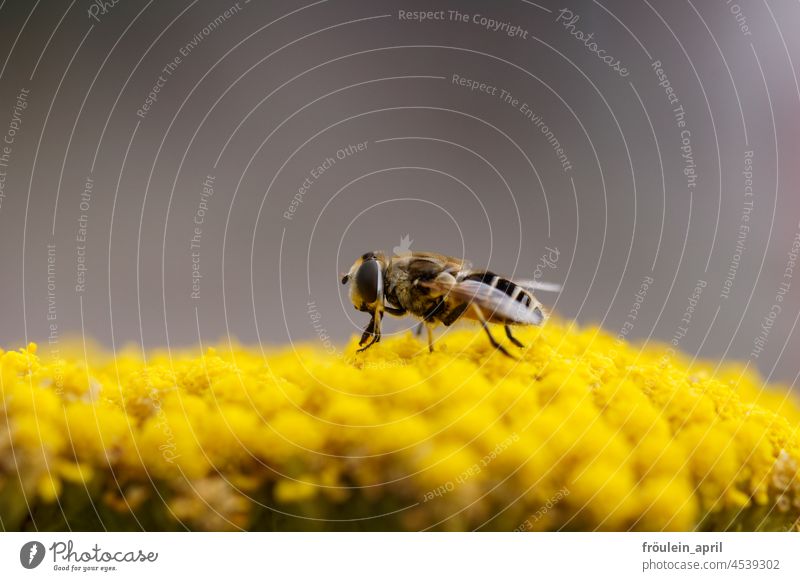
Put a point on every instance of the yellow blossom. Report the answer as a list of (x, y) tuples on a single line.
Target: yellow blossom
[(583, 432)]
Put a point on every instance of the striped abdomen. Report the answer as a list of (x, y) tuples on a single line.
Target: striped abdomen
[(509, 287)]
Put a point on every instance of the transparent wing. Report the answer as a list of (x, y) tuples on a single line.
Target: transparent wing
[(495, 305), (537, 285)]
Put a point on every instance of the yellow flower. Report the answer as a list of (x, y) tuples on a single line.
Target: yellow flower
[(288, 491), (584, 432)]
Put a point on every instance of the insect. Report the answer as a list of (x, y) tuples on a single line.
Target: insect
[(440, 289)]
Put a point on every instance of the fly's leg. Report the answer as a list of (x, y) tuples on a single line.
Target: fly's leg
[(513, 339), (492, 340), (373, 330), (375, 338), (447, 319), (377, 329), (368, 332), (430, 315)]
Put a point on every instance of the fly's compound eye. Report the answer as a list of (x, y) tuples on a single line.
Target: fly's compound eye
[(368, 281)]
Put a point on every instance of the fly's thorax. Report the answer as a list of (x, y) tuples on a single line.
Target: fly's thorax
[(399, 289), (396, 278)]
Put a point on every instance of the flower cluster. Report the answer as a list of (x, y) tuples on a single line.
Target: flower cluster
[(621, 436)]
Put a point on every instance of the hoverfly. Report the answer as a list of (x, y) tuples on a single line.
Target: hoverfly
[(440, 289)]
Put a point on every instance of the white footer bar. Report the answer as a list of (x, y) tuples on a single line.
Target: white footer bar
[(415, 556)]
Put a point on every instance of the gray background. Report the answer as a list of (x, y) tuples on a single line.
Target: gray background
[(278, 87)]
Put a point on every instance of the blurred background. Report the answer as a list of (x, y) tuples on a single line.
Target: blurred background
[(175, 173)]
